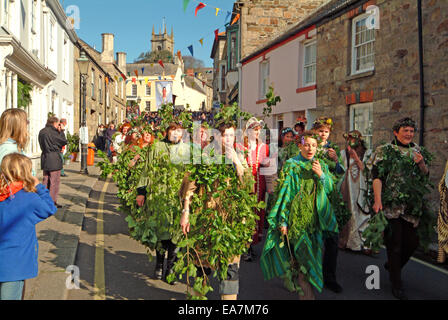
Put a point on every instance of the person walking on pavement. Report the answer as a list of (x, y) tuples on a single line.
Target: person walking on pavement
[(64, 123), (23, 203), (396, 167), (51, 141), (13, 132)]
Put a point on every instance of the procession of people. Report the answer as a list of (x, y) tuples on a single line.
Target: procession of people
[(201, 192)]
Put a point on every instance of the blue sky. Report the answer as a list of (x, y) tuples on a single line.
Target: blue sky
[(131, 22)]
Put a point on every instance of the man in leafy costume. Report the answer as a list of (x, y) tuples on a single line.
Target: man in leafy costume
[(218, 216), (303, 215), (400, 182), (330, 154), (158, 193)]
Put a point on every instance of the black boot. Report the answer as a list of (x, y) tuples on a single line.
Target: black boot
[(171, 260), (158, 272)]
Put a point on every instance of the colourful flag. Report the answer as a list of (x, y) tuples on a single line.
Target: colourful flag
[(201, 41), (146, 80), (186, 4), (179, 55), (237, 17), (136, 73), (199, 7), (191, 50), (173, 76), (134, 80), (143, 70), (216, 34), (161, 63), (217, 10), (129, 74)]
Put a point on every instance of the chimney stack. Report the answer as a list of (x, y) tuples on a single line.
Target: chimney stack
[(121, 61), (107, 55)]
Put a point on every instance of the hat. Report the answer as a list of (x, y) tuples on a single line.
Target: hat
[(355, 134), (287, 130), (254, 122), (323, 121)]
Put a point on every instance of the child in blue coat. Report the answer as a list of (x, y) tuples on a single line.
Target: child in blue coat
[(24, 202)]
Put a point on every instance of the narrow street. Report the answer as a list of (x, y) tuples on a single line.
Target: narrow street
[(114, 266)]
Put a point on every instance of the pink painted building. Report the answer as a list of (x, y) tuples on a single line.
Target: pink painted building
[(288, 64)]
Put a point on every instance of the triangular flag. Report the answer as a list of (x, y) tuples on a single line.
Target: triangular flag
[(161, 63), (203, 84), (146, 80), (182, 76), (179, 54), (201, 41), (140, 81), (186, 4), (136, 73), (134, 80), (217, 10), (199, 7), (107, 80), (216, 34), (149, 84), (160, 78), (129, 74), (116, 78), (123, 76), (152, 65), (143, 70), (191, 50), (228, 15), (237, 17), (173, 76)]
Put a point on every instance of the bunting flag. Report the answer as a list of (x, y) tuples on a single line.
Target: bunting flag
[(237, 17), (129, 74), (199, 7), (203, 84), (134, 80), (136, 73), (116, 78), (191, 50), (160, 78), (152, 65), (173, 76), (217, 10), (228, 15), (179, 54), (161, 63), (201, 41), (216, 34), (148, 84), (146, 80), (123, 76), (140, 81), (186, 4), (143, 70), (182, 76)]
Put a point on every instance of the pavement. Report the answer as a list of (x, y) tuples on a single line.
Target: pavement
[(58, 235)]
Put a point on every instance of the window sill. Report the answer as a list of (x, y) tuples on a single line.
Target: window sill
[(308, 88), (360, 75)]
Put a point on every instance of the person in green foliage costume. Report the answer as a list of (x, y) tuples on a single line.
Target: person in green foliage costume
[(158, 192), (303, 215), (400, 182), (218, 199), (330, 154)]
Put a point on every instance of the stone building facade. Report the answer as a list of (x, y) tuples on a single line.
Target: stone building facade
[(371, 93), (106, 87)]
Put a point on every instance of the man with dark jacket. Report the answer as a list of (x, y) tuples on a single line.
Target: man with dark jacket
[(51, 141)]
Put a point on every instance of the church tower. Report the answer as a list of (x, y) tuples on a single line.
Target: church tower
[(162, 41)]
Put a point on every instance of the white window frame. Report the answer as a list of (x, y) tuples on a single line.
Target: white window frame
[(5, 14), (146, 91), (52, 34), (148, 106), (264, 78), (33, 16), (132, 90), (363, 46), (100, 89), (92, 83), (107, 98), (309, 65), (367, 110)]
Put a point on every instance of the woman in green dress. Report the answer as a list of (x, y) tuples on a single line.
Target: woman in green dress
[(299, 219)]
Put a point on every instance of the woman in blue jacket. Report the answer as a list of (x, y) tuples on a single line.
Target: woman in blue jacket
[(24, 202)]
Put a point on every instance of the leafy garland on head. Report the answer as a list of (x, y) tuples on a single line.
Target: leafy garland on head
[(217, 235), (398, 191)]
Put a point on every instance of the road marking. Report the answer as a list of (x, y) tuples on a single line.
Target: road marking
[(99, 280), (426, 264)]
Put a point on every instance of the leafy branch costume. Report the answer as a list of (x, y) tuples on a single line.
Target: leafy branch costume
[(302, 205), (222, 221)]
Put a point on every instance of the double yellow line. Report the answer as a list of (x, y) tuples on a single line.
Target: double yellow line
[(99, 280)]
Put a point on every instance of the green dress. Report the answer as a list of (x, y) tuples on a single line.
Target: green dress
[(303, 206)]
